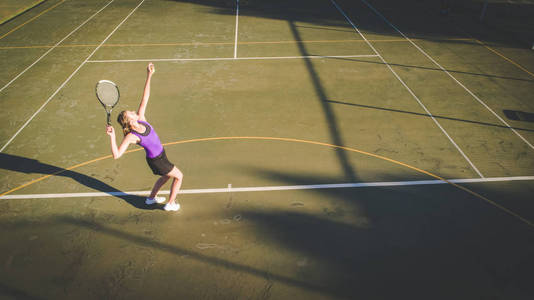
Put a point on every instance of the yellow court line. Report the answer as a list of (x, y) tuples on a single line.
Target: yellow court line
[(504, 57), (222, 43), (296, 141), (20, 10), (30, 20)]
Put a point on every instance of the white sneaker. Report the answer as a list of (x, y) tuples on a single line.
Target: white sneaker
[(172, 207), (150, 201)]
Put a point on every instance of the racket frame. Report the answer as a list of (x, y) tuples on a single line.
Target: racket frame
[(106, 106)]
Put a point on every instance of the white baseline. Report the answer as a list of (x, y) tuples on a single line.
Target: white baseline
[(231, 189)]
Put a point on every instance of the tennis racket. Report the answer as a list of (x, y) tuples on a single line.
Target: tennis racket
[(107, 93)]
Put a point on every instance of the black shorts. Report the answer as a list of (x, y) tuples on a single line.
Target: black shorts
[(160, 165)]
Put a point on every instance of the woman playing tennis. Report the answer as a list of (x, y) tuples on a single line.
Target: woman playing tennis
[(138, 131)]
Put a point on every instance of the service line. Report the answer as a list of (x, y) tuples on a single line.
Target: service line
[(236, 27), (227, 58)]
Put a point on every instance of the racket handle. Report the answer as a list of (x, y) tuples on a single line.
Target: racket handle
[(109, 122)]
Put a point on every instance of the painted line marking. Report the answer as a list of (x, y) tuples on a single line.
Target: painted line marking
[(236, 27), (495, 51), (231, 43), (282, 139), (409, 90), (55, 46), (450, 75), (68, 79), (231, 189), (504, 57), (15, 14), (228, 58), (30, 20)]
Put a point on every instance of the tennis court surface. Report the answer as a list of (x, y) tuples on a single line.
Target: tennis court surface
[(331, 149)]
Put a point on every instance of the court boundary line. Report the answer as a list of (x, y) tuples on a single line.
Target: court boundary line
[(226, 58), (409, 90), (231, 189), (447, 72), (282, 139), (32, 19), (236, 27), (55, 46), (68, 79)]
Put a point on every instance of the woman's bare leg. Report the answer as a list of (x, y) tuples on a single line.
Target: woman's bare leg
[(157, 186), (177, 176)]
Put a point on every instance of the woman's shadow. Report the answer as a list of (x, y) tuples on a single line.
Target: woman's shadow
[(30, 166)]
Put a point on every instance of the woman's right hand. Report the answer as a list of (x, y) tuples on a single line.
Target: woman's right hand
[(110, 130)]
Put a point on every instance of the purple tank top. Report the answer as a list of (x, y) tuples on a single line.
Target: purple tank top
[(149, 140)]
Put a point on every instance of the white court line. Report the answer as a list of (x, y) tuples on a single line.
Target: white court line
[(228, 58), (236, 27), (68, 79), (54, 47), (409, 90), (231, 189), (447, 72)]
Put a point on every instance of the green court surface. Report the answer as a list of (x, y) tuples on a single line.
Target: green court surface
[(341, 149)]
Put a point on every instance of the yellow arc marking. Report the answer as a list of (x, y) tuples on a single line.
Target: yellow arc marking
[(289, 140), (220, 43)]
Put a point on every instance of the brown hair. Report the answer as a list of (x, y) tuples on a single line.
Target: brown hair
[(123, 121)]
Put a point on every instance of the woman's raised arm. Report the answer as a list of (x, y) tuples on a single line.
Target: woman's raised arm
[(146, 94)]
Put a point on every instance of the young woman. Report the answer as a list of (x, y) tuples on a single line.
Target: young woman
[(138, 131)]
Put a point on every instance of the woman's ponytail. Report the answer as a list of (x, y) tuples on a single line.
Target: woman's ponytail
[(123, 121)]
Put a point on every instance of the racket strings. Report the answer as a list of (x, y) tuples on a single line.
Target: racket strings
[(107, 93)]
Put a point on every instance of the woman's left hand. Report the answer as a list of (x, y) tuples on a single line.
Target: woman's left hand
[(151, 69)]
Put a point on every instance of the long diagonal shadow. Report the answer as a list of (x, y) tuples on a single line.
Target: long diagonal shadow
[(14, 293), (331, 119), (139, 240), (432, 69), (267, 10), (427, 115), (30, 166)]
